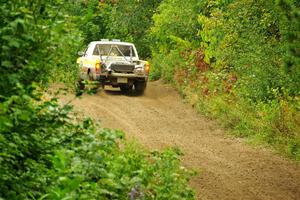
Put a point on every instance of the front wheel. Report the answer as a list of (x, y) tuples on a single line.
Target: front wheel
[(140, 87), (81, 85), (126, 88)]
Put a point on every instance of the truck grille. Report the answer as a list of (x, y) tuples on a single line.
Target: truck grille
[(122, 68)]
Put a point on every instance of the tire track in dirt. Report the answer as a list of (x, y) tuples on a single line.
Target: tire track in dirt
[(229, 168)]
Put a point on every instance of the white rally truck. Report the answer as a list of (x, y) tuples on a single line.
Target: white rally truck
[(113, 63)]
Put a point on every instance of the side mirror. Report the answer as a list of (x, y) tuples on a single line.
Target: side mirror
[(80, 53)]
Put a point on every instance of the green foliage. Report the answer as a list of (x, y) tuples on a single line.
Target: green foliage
[(291, 36), (275, 123), (173, 33), (103, 170), (245, 41), (174, 23), (252, 40), (130, 21), (45, 149), (234, 59), (29, 134), (93, 19), (47, 152), (35, 40)]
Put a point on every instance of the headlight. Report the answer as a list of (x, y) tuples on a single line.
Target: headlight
[(139, 70)]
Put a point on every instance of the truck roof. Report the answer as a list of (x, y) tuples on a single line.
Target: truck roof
[(112, 42)]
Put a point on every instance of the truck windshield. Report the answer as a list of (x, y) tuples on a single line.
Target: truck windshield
[(113, 50)]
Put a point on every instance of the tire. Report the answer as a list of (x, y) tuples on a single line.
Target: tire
[(90, 75), (140, 87), (126, 88), (81, 85), (102, 84)]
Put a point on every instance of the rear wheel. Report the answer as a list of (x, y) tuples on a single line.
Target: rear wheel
[(82, 82)]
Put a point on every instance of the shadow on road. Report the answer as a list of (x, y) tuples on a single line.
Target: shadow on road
[(117, 92)]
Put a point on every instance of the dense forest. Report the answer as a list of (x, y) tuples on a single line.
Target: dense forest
[(235, 61)]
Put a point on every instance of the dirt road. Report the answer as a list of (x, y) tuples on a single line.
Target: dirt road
[(229, 168)]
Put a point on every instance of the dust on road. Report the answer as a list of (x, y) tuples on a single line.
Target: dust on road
[(229, 168)]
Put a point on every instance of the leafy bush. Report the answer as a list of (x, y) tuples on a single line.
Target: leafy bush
[(173, 33), (249, 40), (130, 21), (47, 152), (173, 26), (35, 40), (238, 61)]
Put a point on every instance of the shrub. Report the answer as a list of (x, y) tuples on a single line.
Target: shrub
[(242, 64), (47, 152)]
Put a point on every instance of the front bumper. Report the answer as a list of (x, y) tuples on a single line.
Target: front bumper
[(121, 75), (113, 78)]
